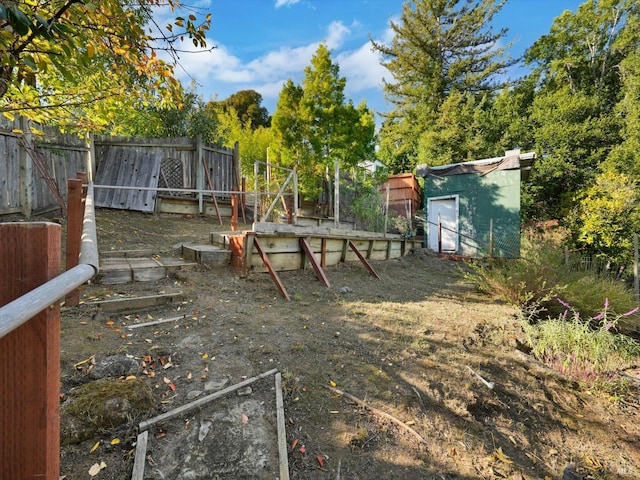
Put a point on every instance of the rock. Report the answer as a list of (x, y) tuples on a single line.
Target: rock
[(193, 394), (215, 382), (245, 391), (569, 473), (102, 405), (344, 290), (114, 366)]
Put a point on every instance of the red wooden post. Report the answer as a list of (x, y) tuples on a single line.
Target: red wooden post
[(75, 215), (30, 356), (234, 210)]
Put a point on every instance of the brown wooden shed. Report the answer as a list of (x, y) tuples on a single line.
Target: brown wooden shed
[(405, 194)]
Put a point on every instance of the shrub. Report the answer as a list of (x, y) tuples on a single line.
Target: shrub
[(583, 348)]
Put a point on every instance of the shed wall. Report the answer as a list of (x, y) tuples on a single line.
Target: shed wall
[(484, 200)]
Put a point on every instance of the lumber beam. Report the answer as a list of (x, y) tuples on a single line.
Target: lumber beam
[(314, 262), (363, 260), (270, 269), (30, 356)]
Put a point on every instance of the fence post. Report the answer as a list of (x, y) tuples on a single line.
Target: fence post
[(200, 166), (636, 283), (74, 233), (30, 356), (234, 209), (26, 170), (491, 238)]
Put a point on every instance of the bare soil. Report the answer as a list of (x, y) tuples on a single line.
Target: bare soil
[(405, 344)]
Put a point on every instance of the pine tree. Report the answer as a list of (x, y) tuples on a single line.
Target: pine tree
[(314, 126), (439, 47)]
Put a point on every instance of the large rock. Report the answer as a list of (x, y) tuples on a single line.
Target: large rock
[(102, 405)]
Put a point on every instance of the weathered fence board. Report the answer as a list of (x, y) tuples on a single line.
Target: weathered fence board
[(121, 161)]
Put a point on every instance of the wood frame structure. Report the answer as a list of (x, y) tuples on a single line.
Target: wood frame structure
[(275, 247)]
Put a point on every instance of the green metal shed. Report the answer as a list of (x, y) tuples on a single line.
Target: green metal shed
[(472, 209)]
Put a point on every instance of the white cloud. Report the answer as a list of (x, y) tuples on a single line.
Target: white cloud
[(336, 34), (362, 68), (283, 3)]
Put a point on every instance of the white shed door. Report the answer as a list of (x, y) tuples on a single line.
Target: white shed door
[(443, 218)]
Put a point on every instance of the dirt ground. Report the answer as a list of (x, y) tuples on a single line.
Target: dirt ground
[(407, 345)]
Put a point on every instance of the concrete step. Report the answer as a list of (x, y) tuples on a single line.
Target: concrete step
[(211, 255)]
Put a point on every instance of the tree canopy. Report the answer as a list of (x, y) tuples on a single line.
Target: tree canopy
[(314, 126), (247, 105), (440, 49), (76, 62)]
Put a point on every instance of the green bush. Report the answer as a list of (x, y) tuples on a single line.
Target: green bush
[(533, 283), (583, 348)]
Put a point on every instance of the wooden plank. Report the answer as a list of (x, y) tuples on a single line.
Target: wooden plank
[(314, 262), (363, 260), (202, 401), (138, 303), (141, 456), (30, 356), (323, 253), (282, 431), (75, 217), (272, 272)]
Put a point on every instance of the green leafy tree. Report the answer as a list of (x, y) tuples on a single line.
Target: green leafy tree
[(247, 104), (314, 126), (439, 47), (252, 142), (577, 66), (463, 131), (76, 63), (190, 118), (608, 217), (624, 157)]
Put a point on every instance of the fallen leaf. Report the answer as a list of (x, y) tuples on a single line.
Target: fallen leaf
[(95, 468), (302, 449), (149, 317), (294, 444), (244, 419), (320, 460), (189, 376), (332, 383), (131, 377), (205, 356), (95, 447), (115, 441), (502, 457), (166, 380), (172, 387)]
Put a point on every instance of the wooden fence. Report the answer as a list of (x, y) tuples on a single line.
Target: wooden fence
[(35, 168)]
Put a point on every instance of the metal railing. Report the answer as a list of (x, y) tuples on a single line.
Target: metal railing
[(22, 309)]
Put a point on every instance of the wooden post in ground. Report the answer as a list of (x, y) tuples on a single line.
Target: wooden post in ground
[(636, 281), (30, 356), (234, 209), (75, 215)]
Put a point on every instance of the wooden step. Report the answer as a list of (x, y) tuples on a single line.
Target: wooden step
[(123, 269), (211, 255)]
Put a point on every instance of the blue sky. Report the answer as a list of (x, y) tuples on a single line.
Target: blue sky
[(262, 43)]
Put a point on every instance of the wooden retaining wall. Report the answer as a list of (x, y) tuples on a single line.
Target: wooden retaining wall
[(282, 244)]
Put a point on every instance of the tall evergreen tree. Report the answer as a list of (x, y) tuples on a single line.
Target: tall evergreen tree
[(314, 125), (439, 47)]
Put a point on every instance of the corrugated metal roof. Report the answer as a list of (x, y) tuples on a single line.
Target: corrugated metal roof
[(511, 160)]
